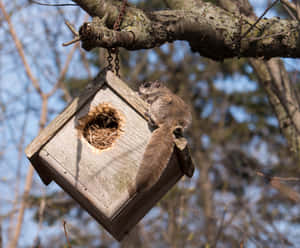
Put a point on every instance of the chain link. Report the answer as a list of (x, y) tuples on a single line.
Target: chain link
[(121, 15), (109, 60), (117, 62), (115, 50)]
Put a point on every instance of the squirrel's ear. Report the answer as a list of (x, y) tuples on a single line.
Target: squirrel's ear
[(157, 84)]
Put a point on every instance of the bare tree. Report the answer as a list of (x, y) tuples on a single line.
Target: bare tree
[(233, 199)]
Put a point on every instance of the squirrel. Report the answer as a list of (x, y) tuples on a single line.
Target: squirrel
[(169, 113)]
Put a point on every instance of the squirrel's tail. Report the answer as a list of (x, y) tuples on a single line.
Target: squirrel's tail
[(155, 159)]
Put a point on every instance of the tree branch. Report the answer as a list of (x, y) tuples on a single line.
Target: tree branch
[(209, 29), (281, 94), (20, 50)]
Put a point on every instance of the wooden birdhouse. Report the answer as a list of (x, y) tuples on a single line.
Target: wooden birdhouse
[(93, 150)]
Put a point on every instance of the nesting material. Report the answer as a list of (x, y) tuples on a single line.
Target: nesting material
[(101, 126)]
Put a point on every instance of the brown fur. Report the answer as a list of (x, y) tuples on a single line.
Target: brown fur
[(168, 111), (151, 168)]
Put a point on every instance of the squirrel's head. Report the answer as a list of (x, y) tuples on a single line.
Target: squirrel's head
[(148, 88)]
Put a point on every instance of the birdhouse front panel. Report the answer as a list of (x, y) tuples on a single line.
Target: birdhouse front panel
[(101, 168)]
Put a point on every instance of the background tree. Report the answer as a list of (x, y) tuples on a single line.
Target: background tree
[(244, 136)]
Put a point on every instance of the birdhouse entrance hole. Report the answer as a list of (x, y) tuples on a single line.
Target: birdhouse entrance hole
[(101, 126)]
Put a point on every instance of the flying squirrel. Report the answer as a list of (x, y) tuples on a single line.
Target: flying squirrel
[(169, 113)]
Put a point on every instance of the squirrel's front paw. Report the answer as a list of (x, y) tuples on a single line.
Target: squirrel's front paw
[(151, 122)]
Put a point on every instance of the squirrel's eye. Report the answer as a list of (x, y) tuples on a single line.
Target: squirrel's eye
[(146, 84)]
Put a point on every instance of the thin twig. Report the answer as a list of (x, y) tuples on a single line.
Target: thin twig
[(68, 43), (297, 9), (242, 244), (41, 216), (63, 71), (283, 240), (288, 10), (1, 244), (72, 29), (66, 233), (28, 181), (279, 178), (67, 63), (286, 178), (283, 189), (20, 50), (19, 165), (74, 32), (258, 20), (221, 227), (292, 6), (53, 4)]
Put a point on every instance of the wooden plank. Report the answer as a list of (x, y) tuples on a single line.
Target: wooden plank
[(48, 132), (130, 96), (44, 173)]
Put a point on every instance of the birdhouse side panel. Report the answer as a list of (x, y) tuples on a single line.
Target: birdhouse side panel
[(105, 170)]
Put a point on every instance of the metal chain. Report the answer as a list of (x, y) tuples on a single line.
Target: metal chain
[(109, 60), (120, 17), (117, 62), (115, 50)]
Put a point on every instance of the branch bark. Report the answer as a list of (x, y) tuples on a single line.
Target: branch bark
[(274, 78), (282, 95), (210, 30)]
